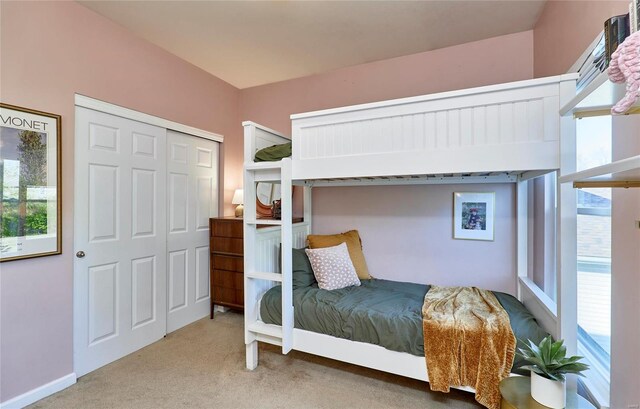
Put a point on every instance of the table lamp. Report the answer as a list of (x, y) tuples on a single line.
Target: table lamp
[(237, 200)]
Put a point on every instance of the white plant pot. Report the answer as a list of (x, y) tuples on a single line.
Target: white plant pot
[(547, 392)]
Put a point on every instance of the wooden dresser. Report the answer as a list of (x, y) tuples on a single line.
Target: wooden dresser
[(227, 262)]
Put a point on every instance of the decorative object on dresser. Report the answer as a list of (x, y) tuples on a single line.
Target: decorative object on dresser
[(227, 262), (238, 200), (276, 209), (266, 194)]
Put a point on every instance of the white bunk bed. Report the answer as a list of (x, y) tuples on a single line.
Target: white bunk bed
[(502, 133)]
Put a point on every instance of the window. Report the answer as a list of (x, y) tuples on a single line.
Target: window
[(542, 235), (593, 148)]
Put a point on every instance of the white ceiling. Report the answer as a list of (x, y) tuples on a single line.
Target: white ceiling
[(249, 43)]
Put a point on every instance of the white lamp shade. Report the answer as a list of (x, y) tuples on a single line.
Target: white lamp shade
[(237, 197)]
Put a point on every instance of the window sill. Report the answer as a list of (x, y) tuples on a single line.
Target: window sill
[(593, 393), (546, 301), (595, 384)]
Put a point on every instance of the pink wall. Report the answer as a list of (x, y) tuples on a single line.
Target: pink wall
[(419, 215), (493, 61), (566, 28), (406, 233), (51, 50)]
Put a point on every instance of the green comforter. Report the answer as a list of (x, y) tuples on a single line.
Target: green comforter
[(381, 312)]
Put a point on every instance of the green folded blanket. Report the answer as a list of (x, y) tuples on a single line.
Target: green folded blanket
[(273, 153)]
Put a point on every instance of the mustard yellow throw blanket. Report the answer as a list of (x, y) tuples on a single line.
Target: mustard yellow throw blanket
[(468, 341)]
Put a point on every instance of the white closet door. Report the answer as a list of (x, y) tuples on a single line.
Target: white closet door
[(120, 238), (192, 199)]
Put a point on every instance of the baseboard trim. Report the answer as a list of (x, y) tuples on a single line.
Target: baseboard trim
[(40, 392), (220, 308)]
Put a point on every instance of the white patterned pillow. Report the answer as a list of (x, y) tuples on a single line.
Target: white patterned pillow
[(332, 267)]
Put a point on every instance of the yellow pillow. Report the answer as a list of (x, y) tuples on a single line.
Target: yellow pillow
[(354, 245)]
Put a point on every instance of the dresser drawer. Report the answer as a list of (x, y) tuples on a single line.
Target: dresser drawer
[(229, 263), (227, 245), (227, 228), (225, 295), (228, 279)]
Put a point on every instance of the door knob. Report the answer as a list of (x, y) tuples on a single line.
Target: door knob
[(80, 254)]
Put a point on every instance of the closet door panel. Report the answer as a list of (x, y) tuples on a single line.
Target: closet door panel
[(120, 238), (192, 199), (178, 195)]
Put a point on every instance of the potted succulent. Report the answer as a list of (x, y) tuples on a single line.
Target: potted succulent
[(549, 365)]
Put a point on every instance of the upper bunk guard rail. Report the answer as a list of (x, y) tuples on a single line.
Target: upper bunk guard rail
[(497, 128), (256, 137), (263, 166)]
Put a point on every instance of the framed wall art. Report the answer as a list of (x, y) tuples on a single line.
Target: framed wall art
[(473, 215), (30, 183)]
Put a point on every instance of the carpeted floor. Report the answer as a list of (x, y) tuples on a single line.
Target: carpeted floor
[(203, 366)]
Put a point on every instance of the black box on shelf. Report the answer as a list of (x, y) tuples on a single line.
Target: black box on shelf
[(616, 29)]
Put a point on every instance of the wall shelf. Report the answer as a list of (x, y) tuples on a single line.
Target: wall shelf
[(596, 99), (622, 173)]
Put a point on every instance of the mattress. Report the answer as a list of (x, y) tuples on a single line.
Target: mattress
[(380, 312)]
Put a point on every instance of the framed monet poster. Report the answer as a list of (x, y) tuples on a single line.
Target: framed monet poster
[(473, 215), (30, 190)]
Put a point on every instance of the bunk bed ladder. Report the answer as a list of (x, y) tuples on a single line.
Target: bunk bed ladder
[(256, 277)]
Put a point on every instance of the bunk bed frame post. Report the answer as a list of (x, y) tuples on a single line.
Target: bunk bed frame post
[(250, 288), (550, 239), (287, 245), (522, 228), (306, 202), (566, 253)]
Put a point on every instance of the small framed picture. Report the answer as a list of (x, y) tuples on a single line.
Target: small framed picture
[(473, 215), (30, 212)]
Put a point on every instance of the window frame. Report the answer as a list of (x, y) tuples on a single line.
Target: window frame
[(597, 381)]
